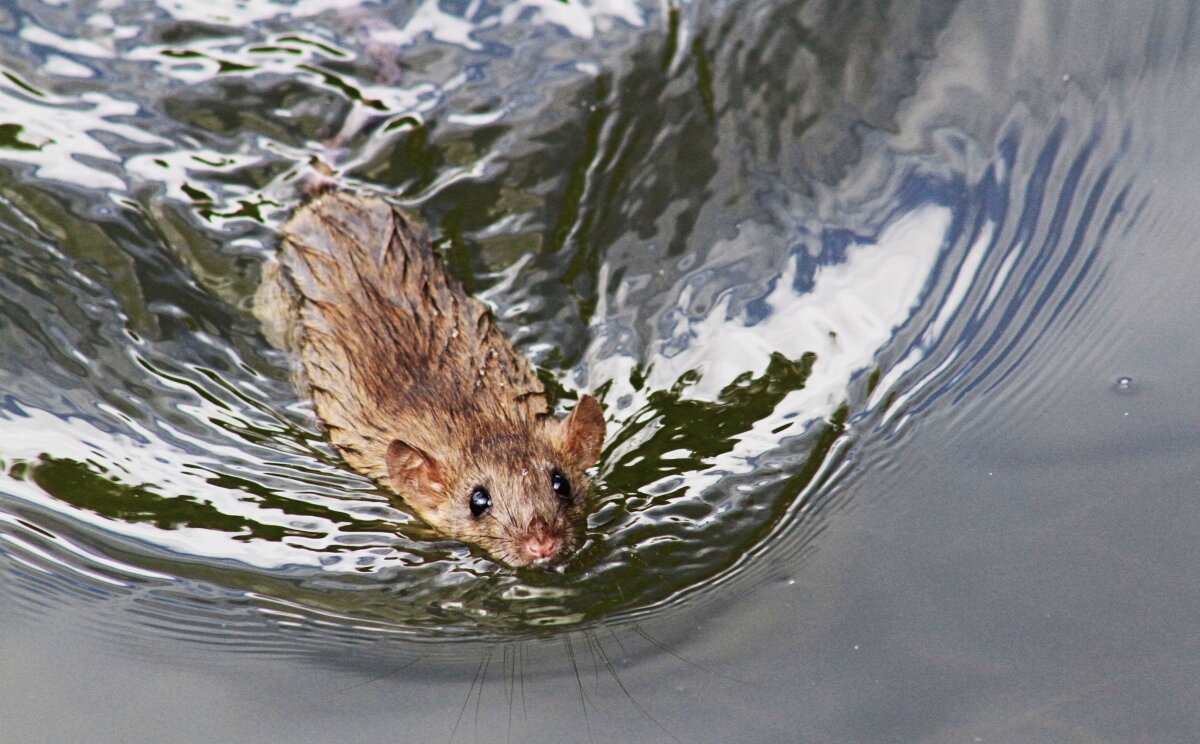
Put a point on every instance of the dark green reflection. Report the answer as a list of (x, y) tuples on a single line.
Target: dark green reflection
[(10, 138), (702, 429), (76, 483), (86, 486)]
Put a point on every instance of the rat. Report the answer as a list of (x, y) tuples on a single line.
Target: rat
[(419, 389)]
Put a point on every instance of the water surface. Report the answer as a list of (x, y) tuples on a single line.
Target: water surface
[(890, 310)]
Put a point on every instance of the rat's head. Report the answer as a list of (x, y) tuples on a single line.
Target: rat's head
[(519, 495)]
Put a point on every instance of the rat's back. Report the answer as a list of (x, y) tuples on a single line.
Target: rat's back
[(389, 344)]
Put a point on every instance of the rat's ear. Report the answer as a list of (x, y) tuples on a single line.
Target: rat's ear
[(581, 434), (413, 473)]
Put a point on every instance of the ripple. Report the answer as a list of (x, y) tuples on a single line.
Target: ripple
[(1030, 246), (763, 310)]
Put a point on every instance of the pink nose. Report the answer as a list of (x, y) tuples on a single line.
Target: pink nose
[(541, 547)]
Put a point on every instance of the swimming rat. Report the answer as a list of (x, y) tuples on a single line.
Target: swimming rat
[(419, 389)]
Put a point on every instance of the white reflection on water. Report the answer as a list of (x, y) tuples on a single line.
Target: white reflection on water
[(851, 312), (167, 471), (29, 554), (75, 144), (968, 272), (579, 19), (65, 141), (239, 12)]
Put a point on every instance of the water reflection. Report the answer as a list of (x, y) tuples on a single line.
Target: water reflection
[(183, 140), (600, 174), (860, 284)]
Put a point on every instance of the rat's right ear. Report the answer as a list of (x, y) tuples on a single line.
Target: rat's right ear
[(414, 475)]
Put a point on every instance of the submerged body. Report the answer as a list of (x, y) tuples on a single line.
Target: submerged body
[(419, 389)]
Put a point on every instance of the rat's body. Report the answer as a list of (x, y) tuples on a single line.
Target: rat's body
[(419, 389)]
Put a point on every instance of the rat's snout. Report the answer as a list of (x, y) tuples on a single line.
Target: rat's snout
[(541, 547)]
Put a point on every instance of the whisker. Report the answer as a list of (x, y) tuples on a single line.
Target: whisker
[(579, 684), (462, 711), (666, 649), (599, 650), (397, 670)]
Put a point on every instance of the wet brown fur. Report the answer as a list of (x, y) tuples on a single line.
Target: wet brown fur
[(416, 385)]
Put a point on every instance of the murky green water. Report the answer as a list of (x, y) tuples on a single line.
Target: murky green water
[(856, 284)]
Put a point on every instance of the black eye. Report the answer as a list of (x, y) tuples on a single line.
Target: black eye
[(561, 485), (481, 501)]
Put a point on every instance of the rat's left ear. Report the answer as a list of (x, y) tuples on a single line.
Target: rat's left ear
[(415, 475), (581, 434)]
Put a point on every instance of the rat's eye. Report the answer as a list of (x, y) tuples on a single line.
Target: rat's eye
[(481, 501), (560, 484)]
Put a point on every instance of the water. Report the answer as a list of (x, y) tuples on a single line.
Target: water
[(890, 309)]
